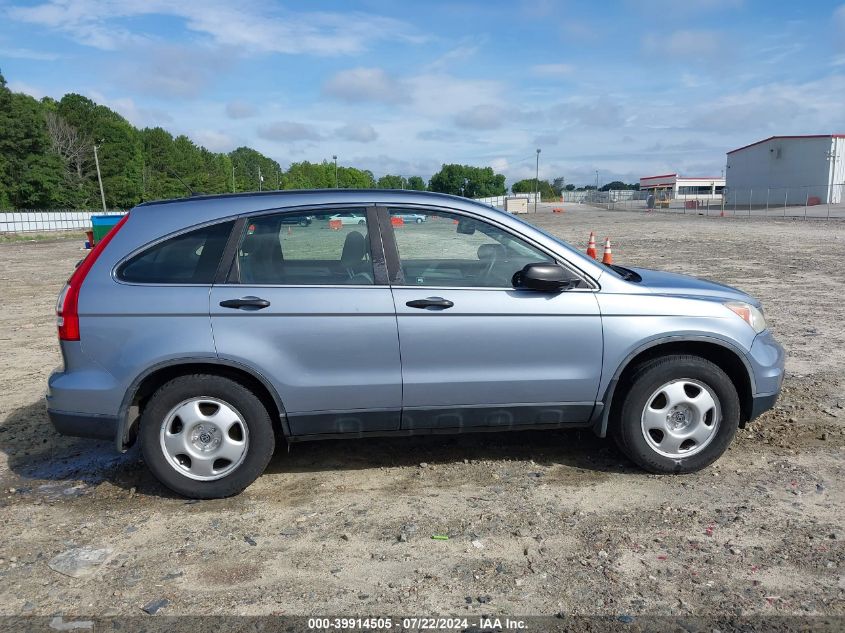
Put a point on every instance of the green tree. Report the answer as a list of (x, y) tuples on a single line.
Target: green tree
[(247, 163), (31, 173), (527, 185), (616, 185), (415, 183), (389, 181), (469, 181)]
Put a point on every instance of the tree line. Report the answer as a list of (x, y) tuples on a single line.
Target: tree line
[(49, 151)]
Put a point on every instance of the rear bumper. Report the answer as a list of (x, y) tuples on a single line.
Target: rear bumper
[(100, 427)]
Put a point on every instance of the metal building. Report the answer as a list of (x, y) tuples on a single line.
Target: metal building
[(672, 186), (788, 170)]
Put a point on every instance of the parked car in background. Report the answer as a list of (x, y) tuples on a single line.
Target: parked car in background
[(204, 329), (302, 220), (349, 218), (412, 218)]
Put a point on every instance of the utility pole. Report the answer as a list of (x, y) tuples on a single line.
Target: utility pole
[(537, 181), (597, 183), (260, 179), (233, 177), (334, 157), (100, 178)]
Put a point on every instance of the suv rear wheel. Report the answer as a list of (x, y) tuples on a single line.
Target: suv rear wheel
[(679, 414), (206, 436)]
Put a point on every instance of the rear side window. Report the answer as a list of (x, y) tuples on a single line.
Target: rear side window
[(189, 258), (323, 248)]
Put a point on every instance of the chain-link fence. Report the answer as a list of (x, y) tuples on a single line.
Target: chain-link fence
[(37, 222), (808, 201)]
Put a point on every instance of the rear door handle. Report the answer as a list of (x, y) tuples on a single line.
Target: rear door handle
[(246, 303), (430, 302)]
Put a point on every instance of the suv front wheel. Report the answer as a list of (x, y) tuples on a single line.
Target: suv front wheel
[(679, 414), (206, 436)]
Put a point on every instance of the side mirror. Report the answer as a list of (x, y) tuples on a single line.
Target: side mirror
[(544, 277)]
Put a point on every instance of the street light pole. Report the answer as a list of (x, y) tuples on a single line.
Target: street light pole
[(334, 156), (597, 183), (100, 178), (537, 181)]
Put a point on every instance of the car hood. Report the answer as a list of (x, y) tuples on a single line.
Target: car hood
[(685, 285)]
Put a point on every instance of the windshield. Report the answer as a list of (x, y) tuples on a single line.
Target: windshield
[(564, 244)]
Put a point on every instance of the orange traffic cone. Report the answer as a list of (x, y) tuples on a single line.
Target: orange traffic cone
[(608, 254), (591, 247), (290, 231)]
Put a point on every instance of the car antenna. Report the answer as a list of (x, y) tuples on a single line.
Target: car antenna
[(191, 192)]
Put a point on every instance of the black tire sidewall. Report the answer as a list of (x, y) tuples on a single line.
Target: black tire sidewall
[(628, 431), (255, 415)]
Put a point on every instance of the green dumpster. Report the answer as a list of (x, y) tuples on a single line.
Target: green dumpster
[(102, 224)]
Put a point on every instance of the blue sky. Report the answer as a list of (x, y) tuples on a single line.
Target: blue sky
[(629, 88)]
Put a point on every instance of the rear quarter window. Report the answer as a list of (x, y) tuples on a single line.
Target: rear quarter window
[(189, 258)]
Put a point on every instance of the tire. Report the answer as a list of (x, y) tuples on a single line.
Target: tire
[(676, 438), (304, 222), (201, 470), (361, 222), (419, 220)]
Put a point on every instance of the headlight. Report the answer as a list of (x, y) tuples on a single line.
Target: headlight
[(748, 313)]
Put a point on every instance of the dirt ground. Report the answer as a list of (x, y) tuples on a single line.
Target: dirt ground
[(538, 523)]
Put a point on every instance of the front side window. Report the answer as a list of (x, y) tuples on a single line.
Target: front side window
[(190, 258), (304, 249), (445, 249)]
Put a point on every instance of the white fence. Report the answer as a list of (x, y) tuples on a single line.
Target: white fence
[(499, 201), (14, 222)]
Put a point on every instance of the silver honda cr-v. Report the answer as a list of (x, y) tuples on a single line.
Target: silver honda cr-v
[(208, 327)]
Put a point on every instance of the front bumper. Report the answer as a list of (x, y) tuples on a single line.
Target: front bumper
[(768, 359)]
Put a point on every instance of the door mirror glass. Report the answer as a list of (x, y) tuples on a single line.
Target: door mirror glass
[(544, 277)]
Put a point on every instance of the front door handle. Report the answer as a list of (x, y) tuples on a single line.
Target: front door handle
[(245, 303), (430, 302)]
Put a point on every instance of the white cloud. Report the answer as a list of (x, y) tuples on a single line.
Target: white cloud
[(365, 84), (173, 71), (440, 95), (240, 110), (500, 164), (214, 140), (481, 117), (546, 139), (28, 53), (673, 7), (453, 57), (359, 132), (246, 26), (687, 44), (553, 70), (137, 115), (777, 108), (29, 89), (288, 131)]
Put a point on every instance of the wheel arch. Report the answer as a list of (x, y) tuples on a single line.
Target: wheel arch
[(149, 381), (726, 356)]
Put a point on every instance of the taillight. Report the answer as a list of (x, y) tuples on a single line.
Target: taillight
[(67, 314)]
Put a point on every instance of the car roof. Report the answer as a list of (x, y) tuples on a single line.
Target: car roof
[(287, 197)]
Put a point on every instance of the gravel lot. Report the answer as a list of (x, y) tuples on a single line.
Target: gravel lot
[(538, 523)]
